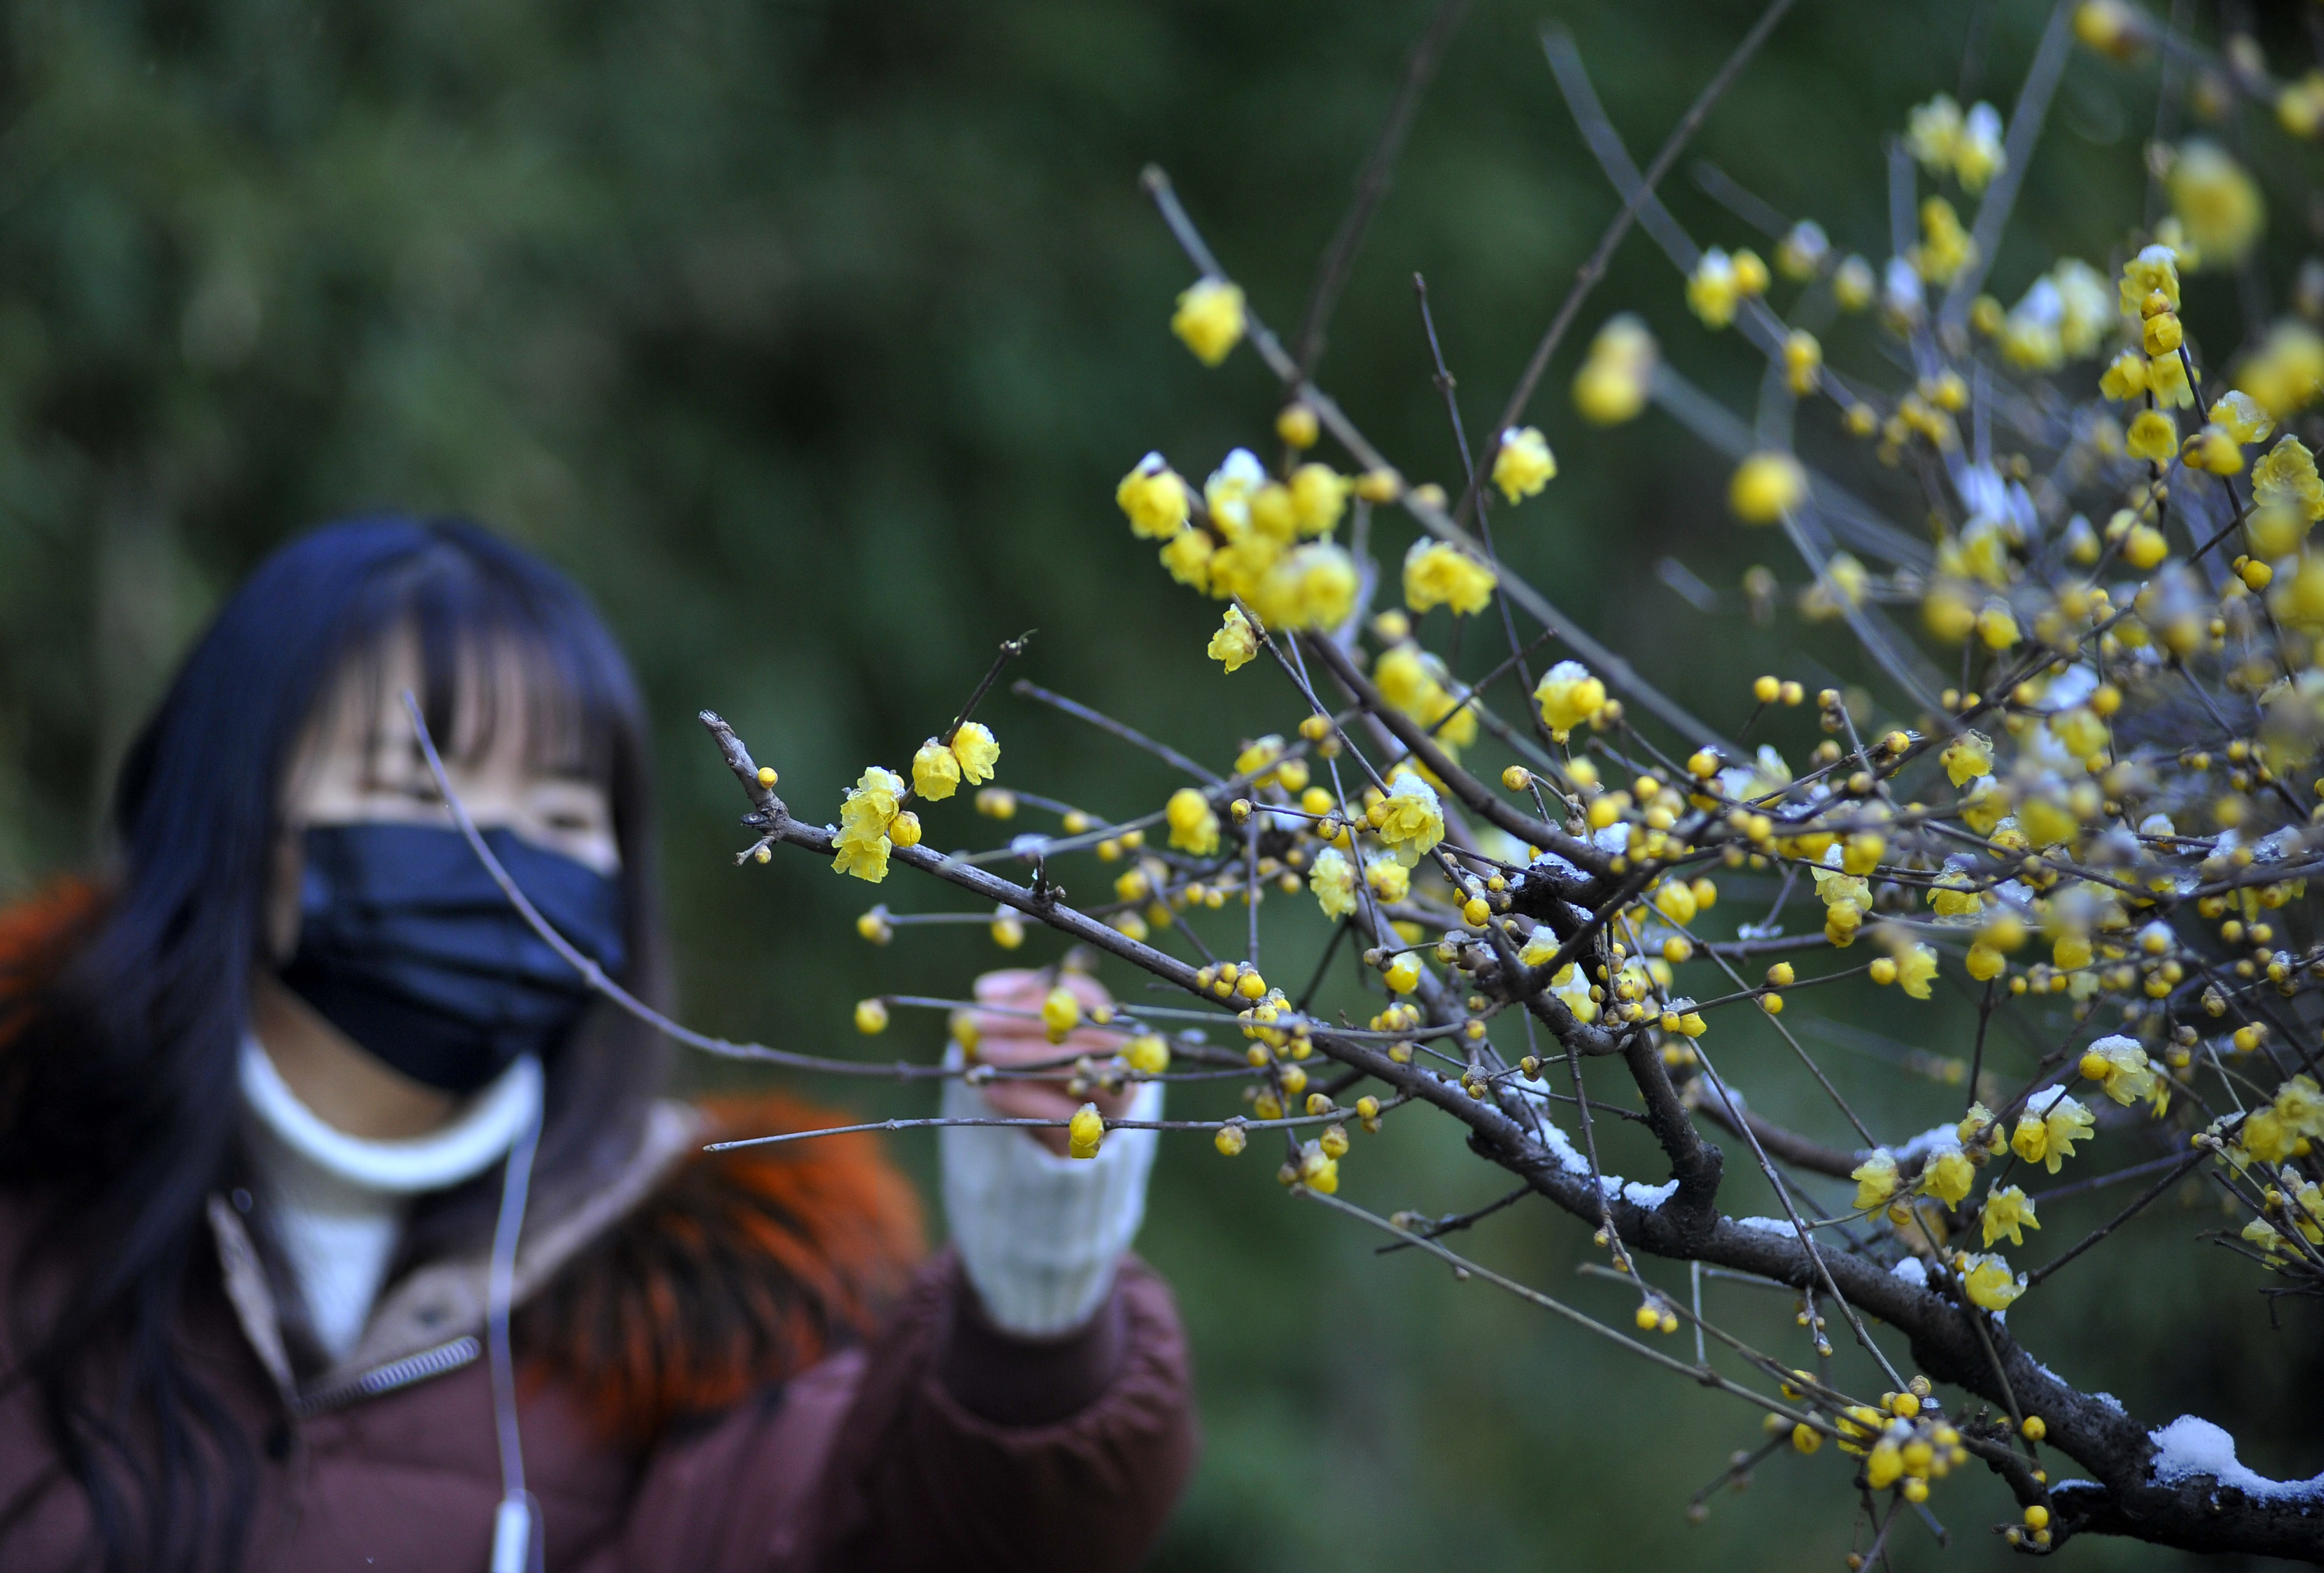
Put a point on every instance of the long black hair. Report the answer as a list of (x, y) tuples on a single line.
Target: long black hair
[(121, 1110)]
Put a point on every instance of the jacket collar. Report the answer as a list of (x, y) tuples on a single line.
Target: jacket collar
[(441, 1304)]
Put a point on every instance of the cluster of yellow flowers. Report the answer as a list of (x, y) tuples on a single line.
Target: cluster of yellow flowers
[(1264, 542), (1946, 141), (873, 819), (2088, 789)]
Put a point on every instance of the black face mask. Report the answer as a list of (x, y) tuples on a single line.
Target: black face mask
[(407, 945)]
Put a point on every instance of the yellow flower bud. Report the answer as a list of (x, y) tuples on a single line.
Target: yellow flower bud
[(1524, 465), (1061, 1012), (1209, 319), (1236, 643), (1146, 1053), (1084, 1132), (1767, 486), (871, 1016)]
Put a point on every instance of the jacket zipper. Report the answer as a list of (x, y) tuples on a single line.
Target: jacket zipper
[(383, 1379)]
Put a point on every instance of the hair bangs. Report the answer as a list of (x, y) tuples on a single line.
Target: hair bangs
[(487, 649)]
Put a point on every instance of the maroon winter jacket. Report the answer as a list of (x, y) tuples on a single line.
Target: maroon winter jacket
[(693, 1397)]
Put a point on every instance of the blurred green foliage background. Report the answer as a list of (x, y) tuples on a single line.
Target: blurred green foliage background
[(812, 337)]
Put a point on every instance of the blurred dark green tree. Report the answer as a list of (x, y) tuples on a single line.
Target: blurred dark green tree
[(812, 337)]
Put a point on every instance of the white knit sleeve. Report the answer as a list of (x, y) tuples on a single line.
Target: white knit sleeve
[(1039, 1236)]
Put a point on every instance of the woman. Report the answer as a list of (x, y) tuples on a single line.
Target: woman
[(342, 1227)]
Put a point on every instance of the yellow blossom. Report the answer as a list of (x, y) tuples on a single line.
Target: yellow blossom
[(2152, 437), (872, 802), (1313, 586), (1438, 574), (1193, 823), (1990, 1282), (1853, 284), (861, 845), (2286, 478), (1914, 969), (2048, 1129), (1979, 154), (2079, 731), (2300, 1103), (2272, 1132), (1834, 885), (1334, 881), (1711, 291), (1415, 820), (1571, 987), (1986, 806), (1146, 1053), (1996, 625), (2124, 377), (2007, 1211), (2155, 268), (1612, 385), (1210, 319), (1273, 513), (2166, 379), (1188, 559), (1319, 494), (1839, 590), (2287, 373), (1876, 1179), (1978, 1129), (1968, 757), (973, 746), (2114, 28), (1948, 1176), (1953, 895), (1085, 1132), (1932, 132), (1407, 679), (1235, 645), (1318, 1170), (2217, 201), (1524, 465), (1799, 254), (2065, 315), (1390, 879), (863, 856), (2120, 1068), (2212, 450), (1257, 756), (935, 771), (1061, 1012), (1803, 361), (1946, 247), (1568, 697), (1154, 498), (1766, 486), (2242, 416)]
